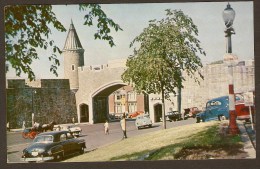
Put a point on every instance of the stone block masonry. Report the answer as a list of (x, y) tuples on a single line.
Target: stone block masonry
[(51, 100)]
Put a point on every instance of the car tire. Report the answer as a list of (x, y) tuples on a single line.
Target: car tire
[(59, 156), (81, 151), (221, 118), (198, 120)]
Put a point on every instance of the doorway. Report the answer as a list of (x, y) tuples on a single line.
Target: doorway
[(84, 113), (157, 112)]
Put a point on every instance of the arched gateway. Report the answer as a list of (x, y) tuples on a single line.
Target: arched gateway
[(92, 85), (97, 99)]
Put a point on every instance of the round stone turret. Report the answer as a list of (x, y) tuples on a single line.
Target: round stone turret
[(73, 54)]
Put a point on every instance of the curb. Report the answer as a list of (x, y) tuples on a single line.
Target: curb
[(21, 129), (248, 145)]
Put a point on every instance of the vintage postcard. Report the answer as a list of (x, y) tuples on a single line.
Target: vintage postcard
[(130, 82)]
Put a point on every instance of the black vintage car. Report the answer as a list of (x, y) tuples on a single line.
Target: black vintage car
[(53, 146), (173, 116)]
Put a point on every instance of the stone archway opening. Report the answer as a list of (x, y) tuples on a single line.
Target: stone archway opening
[(84, 113), (157, 112), (100, 102)]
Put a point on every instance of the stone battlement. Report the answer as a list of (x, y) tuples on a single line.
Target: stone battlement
[(111, 64), (39, 83)]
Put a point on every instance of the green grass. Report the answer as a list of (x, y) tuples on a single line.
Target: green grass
[(169, 144), (207, 140)]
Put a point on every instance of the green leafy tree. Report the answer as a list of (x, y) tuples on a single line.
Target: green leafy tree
[(27, 27), (166, 48)]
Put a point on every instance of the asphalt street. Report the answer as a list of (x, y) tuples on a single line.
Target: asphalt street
[(94, 136)]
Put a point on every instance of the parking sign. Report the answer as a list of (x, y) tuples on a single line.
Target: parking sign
[(249, 99)]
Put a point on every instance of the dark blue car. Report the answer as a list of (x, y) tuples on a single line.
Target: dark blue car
[(216, 109), (53, 146)]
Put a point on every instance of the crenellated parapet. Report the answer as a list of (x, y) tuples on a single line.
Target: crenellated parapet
[(119, 63)]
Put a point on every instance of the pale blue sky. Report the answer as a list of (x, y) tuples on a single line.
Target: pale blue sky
[(133, 18)]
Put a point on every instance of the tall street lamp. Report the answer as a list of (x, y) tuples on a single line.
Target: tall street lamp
[(230, 60)]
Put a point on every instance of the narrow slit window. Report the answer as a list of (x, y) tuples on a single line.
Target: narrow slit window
[(73, 67)]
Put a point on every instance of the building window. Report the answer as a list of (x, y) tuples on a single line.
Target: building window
[(131, 96), (132, 107), (118, 97), (118, 108), (72, 67)]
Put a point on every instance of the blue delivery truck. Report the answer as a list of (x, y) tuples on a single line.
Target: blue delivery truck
[(218, 109)]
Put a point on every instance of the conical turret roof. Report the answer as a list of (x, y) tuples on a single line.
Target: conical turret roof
[(72, 42)]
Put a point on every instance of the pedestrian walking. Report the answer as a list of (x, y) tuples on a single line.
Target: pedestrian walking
[(106, 127), (73, 120), (123, 126), (23, 126)]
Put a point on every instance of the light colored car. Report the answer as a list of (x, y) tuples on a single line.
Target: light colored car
[(143, 120), (74, 129)]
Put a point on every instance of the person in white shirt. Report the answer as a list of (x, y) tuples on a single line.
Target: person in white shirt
[(106, 126), (123, 126)]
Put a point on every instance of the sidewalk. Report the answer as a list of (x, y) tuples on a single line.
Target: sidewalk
[(21, 129), (251, 133), (248, 144)]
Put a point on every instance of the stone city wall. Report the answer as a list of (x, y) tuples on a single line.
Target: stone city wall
[(52, 101), (215, 83)]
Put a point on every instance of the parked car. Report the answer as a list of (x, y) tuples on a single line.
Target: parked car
[(173, 116), (218, 109), (135, 114), (53, 145), (191, 112), (74, 129), (143, 120)]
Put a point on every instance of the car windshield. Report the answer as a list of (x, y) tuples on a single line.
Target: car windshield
[(43, 139)]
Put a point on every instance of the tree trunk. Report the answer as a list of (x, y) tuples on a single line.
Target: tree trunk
[(163, 110), (162, 91), (179, 100)]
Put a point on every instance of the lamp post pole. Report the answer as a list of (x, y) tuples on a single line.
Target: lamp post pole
[(230, 60)]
